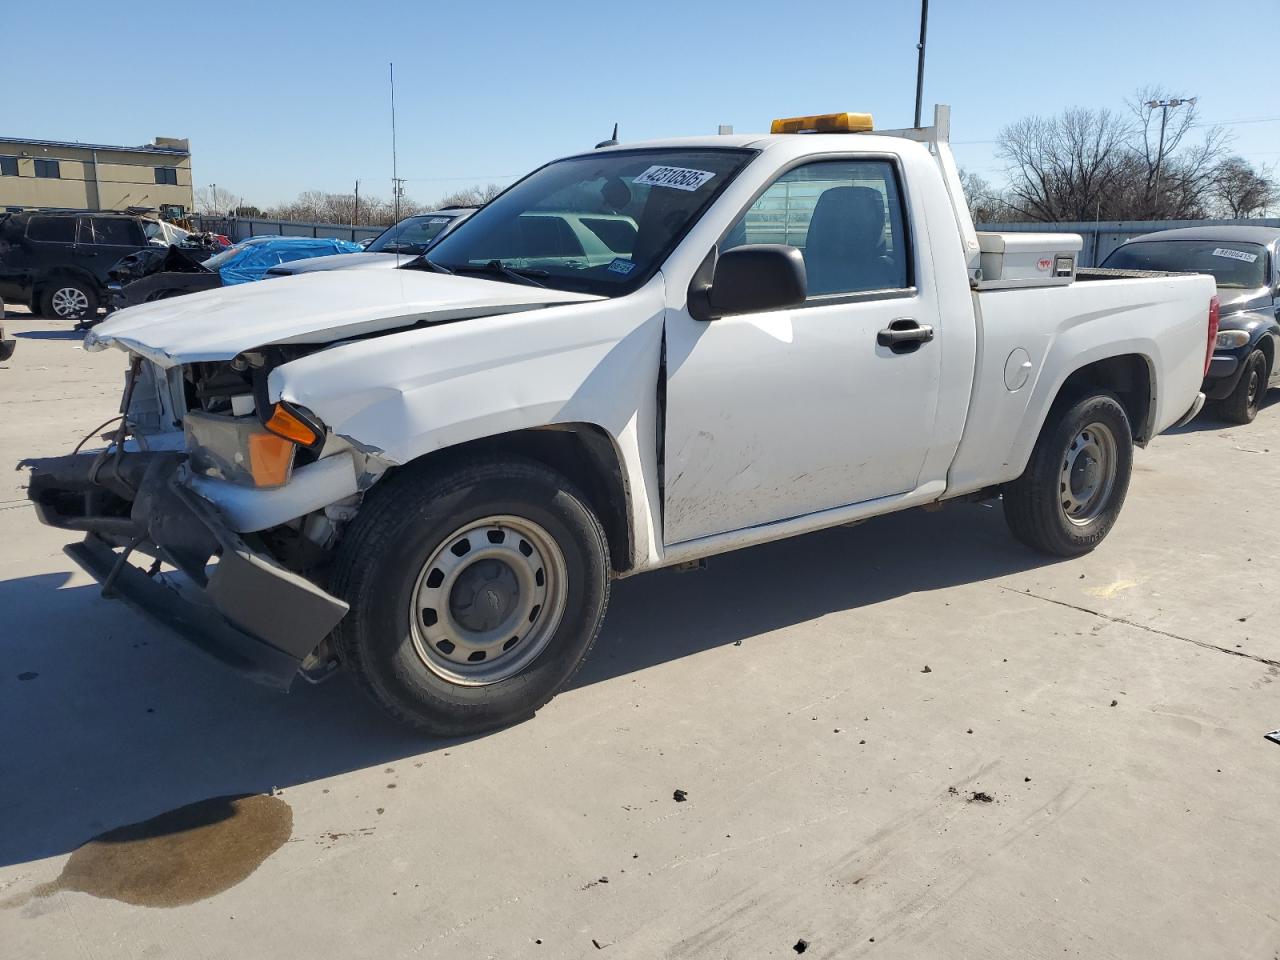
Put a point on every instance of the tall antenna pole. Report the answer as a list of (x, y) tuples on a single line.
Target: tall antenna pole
[(395, 178), (355, 218), (924, 29)]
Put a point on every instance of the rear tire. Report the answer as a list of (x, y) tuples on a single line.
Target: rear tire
[(476, 592), (1242, 404), (1070, 494)]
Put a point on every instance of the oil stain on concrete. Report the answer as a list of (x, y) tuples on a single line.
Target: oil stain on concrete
[(181, 856)]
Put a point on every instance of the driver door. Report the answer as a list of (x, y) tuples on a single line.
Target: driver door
[(789, 412)]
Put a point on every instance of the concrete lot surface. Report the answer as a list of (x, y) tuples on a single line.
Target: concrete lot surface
[(836, 707)]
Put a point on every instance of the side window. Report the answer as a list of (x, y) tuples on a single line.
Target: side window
[(8, 166), (845, 216), (48, 169), (52, 229), (116, 231)]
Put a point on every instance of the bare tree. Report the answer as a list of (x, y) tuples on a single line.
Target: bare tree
[(216, 200), (1098, 164), (1178, 168), (470, 196), (985, 203), (1065, 167), (1242, 191)]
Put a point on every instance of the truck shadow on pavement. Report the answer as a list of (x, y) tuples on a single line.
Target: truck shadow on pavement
[(108, 720)]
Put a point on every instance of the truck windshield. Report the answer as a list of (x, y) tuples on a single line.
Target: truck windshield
[(412, 235), (601, 223), (1233, 265)]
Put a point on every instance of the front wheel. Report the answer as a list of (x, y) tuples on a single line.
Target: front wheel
[(475, 593), (1071, 492)]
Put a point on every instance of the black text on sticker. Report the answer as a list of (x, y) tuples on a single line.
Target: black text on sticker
[(677, 178)]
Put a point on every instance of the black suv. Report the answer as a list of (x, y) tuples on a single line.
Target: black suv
[(57, 263)]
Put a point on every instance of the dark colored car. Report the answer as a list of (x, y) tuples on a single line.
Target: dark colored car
[(397, 244), (7, 344), (1245, 262), (159, 274), (57, 263)]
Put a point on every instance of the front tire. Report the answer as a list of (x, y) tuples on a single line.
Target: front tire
[(1070, 494), (476, 592), (1242, 404)]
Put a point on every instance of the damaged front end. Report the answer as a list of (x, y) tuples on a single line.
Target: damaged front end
[(237, 503)]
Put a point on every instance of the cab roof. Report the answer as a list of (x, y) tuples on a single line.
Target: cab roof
[(799, 142)]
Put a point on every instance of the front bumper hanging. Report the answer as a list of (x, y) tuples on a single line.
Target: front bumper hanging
[(248, 610)]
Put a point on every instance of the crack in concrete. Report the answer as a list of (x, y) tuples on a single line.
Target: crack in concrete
[(1142, 626)]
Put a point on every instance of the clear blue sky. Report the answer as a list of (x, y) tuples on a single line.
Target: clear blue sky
[(279, 97)]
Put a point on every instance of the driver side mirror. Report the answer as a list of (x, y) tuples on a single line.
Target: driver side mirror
[(749, 279)]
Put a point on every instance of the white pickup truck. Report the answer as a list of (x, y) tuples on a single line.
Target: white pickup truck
[(431, 475)]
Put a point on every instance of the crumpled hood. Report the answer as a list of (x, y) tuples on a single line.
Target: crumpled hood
[(343, 261), (311, 308)]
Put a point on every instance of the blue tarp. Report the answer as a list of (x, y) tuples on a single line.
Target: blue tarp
[(253, 262)]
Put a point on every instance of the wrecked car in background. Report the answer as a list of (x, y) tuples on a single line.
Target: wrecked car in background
[(151, 275), (396, 245), (431, 475)]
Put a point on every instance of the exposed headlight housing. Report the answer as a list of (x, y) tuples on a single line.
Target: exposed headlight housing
[(1231, 339)]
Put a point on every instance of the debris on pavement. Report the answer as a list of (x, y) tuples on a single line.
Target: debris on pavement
[(680, 796), (1273, 736), (801, 946)]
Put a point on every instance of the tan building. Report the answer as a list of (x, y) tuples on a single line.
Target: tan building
[(90, 176)]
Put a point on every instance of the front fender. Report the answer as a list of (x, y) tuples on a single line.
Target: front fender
[(403, 395)]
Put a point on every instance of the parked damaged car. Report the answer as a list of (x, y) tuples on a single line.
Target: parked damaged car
[(1244, 262), (150, 275), (396, 245)]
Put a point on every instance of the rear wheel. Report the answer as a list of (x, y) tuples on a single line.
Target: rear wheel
[(65, 299), (1071, 492), (475, 593), (1242, 404)]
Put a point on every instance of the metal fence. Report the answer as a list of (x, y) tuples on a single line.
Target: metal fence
[(241, 228), (1101, 237)]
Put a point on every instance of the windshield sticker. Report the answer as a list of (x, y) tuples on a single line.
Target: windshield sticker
[(1236, 255), (677, 178), (621, 266), (438, 220)]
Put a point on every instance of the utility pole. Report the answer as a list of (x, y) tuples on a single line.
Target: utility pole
[(924, 29), (1164, 106), (355, 217)]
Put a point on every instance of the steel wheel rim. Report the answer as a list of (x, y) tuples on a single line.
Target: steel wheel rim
[(1088, 474), (69, 302), (488, 600), (1255, 384)]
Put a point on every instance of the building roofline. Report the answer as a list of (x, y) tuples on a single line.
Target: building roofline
[(146, 148)]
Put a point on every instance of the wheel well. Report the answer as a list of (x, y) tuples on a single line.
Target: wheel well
[(61, 275), (586, 455), (1128, 377), (1268, 348)]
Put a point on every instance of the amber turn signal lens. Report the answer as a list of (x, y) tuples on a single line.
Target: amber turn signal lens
[(270, 459), (285, 424)]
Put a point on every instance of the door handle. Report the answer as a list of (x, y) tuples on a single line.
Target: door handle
[(904, 335)]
